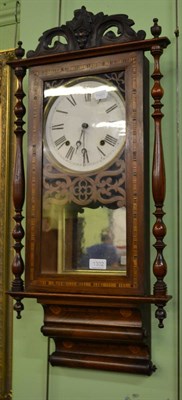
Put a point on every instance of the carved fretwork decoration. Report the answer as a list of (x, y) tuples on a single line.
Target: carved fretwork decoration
[(87, 30), (107, 187)]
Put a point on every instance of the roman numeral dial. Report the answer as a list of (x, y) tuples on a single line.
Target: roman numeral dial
[(85, 125), (71, 100), (111, 108), (70, 153), (112, 141), (57, 126)]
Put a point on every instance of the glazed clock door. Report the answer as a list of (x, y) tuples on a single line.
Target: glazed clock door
[(85, 130), (89, 187)]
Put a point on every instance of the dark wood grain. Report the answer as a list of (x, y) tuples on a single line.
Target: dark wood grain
[(158, 183)]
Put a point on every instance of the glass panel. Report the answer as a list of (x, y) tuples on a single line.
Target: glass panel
[(83, 240), (83, 207)]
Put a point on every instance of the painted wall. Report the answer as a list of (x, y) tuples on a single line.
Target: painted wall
[(30, 347), (9, 23)]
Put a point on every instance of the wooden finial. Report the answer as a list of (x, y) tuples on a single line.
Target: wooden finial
[(156, 29), (19, 51)]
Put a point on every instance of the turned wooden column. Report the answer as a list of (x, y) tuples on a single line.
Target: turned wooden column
[(158, 178), (18, 183)]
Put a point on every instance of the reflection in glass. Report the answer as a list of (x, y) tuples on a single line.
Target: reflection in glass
[(84, 240), (83, 182), (103, 239)]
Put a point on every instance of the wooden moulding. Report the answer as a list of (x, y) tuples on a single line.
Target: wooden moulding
[(98, 337)]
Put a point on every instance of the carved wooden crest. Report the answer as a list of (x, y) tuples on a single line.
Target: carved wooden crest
[(87, 30)]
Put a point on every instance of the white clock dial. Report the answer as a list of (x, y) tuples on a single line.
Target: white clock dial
[(85, 124)]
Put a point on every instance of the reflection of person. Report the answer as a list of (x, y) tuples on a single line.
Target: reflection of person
[(105, 251)]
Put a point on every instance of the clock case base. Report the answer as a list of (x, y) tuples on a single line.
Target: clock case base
[(111, 333), (115, 339)]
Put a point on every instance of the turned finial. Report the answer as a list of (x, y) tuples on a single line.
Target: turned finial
[(156, 29), (19, 51)]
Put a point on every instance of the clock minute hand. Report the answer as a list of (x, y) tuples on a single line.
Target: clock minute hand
[(78, 143)]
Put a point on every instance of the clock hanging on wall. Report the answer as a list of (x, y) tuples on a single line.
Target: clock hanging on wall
[(87, 191)]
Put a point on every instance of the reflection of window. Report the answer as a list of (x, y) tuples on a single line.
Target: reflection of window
[(119, 227)]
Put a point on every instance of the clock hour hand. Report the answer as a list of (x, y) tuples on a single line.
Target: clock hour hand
[(85, 156)]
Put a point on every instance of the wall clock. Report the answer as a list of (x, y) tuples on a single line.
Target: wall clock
[(87, 231)]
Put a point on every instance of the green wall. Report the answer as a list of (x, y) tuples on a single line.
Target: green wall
[(30, 347)]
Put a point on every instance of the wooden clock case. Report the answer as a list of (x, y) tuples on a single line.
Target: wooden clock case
[(99, 321)]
